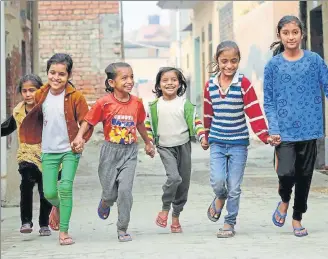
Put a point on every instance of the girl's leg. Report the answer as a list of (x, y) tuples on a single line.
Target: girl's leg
[(26, 192), (70, 163), (169, 159), (218, 177), (184, 165), (305, 161), (236, 167), (285, 167)]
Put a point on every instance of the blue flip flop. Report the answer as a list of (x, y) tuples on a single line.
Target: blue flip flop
[(103, 213), (300, 234), (281, 216), (217, 214)]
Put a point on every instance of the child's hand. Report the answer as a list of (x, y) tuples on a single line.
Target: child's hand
[(204, 144), (78, 144), (150, 150)]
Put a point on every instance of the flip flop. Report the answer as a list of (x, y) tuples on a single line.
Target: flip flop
[(66, 241), (124, 237), (103, 213), (281, 216), (300, 234), (217, 214), (223, 233), (176, 228), (161, 221)]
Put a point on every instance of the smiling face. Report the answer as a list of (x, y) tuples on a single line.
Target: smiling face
[(28, 92), (58, 77), (291, 36), (124, 80), (228, 62), (169, 84)]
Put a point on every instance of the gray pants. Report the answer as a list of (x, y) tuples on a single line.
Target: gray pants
[(177, 163), (116, 171)]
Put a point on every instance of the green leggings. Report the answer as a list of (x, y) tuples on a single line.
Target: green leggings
[(50, 168)]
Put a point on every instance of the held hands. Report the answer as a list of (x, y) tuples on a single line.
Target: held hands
[(274, 140), (78, 144), (204, 144), (150, 150)]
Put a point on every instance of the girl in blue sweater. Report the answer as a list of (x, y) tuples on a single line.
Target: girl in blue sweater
[(293, 80)]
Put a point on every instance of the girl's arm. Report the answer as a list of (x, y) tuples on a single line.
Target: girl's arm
[(253, 110), (208, 110), (199, 128), (82, 110), (269, 101), (148, 128), (323, 75), (8, 126)]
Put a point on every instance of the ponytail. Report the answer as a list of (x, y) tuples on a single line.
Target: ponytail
[(277, 50)]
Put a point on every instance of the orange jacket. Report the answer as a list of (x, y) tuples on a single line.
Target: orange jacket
[(75, 107)]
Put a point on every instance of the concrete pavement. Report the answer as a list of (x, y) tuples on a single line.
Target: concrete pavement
[(256, 238)]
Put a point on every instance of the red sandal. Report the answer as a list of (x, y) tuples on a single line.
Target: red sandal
[(176, 228), (161, 221)]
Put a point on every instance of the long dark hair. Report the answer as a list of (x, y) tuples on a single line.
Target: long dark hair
[(224, 45), (111, 73), (62, 58), (34, 79), (182, 81), (277, 46)]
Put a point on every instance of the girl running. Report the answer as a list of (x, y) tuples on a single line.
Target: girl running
[(293, 105), (228, 96), (172, 120), (122, 114), (54, 122), (29, 159)]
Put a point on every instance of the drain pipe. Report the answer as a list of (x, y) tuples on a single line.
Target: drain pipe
[(3, 104)]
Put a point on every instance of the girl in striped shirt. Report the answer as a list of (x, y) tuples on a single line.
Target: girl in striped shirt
[(228, 96)]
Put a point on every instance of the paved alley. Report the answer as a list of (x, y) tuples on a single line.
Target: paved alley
[(256, 238)]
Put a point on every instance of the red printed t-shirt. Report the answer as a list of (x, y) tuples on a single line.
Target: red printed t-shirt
[(119, 118)]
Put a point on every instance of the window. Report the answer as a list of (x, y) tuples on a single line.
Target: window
[(29, 10), (210, 52)]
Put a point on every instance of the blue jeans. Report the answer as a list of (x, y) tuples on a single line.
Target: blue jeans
[(227, 170)]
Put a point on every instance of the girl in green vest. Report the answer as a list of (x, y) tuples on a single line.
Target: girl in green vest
[(171, 122)]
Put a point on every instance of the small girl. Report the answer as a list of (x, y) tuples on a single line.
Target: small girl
[(122, 114), (29, 159), (54, 122), (293, 105), (171, 121), (228, 96)]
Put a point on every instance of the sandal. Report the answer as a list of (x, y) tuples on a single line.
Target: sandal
[(176, 228), (298, 232), (124, 237), (26, 228), (54, 219), (103, 213), (161, 221), (281, 216), (217, 214), (226, 233), (44, 231), (66, 241)]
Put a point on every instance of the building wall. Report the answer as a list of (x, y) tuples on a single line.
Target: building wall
[(87, 30)]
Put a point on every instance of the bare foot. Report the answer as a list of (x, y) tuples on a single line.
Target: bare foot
[(283, 208)]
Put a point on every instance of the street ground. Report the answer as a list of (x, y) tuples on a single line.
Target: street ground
[(256, 238)]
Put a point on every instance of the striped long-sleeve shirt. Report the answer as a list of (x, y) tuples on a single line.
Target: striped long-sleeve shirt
[(224, 113)]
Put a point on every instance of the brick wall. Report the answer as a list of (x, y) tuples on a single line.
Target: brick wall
[(87, 30)]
